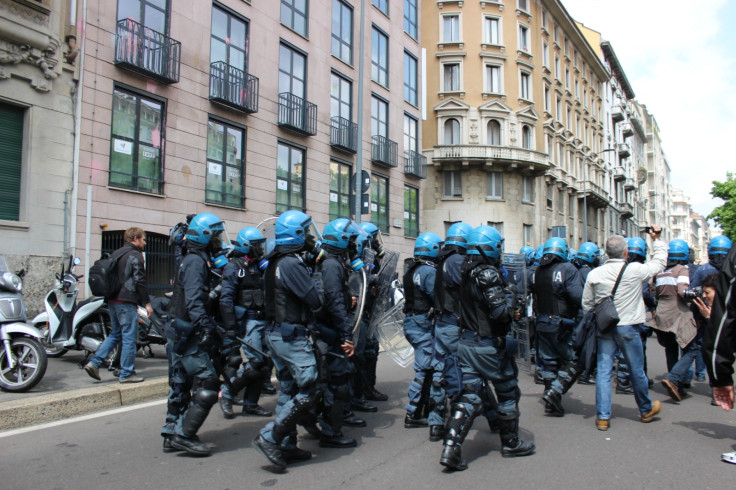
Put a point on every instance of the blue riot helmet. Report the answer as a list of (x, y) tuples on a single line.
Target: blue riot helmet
[(588, 254), (571, 254), (637, 246), (486, 241), (527, 252), (538, 254), (457, 234), (336, 235), (678, 251), (208, 231), (376, 237), (555, 246), (718, 248), (294, 231), (427, 245)]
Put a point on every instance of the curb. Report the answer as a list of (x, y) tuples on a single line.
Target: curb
[(56, 406)]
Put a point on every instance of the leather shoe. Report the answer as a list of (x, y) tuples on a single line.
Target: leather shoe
[(410, 422), (554, 402), (517, 448), (93, 371), (363, 406), (256, 411), (374, 395), (352, 421), (168, 448), (602, 424), (337, 441), (227, 407), (295, 454), (672, 389), (270, 450), (452, 458), (436, 432), (656, 407), (132, 379), (192, 445)]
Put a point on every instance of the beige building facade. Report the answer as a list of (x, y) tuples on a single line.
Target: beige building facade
[(515, 122), (658, 185)]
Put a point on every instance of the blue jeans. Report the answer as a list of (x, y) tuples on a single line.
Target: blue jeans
[(418, 331), (625, 338), (124, 326), (678, 373)]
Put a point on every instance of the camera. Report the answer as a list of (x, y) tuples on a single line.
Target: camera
[(648, 229), (692, 293)]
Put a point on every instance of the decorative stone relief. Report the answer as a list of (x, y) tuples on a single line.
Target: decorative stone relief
[(474, 131), (44, 59), (35, 14)]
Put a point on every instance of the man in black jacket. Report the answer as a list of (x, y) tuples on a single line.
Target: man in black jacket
[(131, 270)]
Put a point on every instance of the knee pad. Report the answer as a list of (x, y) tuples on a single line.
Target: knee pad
[(205, 397)]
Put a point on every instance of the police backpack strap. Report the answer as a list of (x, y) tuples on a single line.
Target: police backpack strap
[(605, 314)]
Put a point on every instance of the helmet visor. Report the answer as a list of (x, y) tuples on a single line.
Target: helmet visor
[(220, 240), (312, 233)]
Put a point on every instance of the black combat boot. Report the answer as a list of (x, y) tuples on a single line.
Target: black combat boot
[(337, 440), (270, 450), (363, 406), (511, 445), (452, 458), (457, 429), (436, 432), (226, 404), (371, 393), (410, 422), (553, 399)]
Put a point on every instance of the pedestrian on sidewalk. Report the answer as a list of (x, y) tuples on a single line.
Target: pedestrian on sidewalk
[(131, 270), (631, 311)]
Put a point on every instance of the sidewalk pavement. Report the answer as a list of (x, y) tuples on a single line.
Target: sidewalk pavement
[(67, 391)]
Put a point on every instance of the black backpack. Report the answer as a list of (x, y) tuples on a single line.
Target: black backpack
[(103, 276)]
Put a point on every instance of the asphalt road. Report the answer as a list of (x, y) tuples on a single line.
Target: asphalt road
[(122, 449)]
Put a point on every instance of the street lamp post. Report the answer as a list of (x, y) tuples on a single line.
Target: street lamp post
[(585, 193)]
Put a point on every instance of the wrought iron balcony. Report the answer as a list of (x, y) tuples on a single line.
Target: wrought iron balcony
[(297, 114), (344, 135), (623, 150), (384, 151), (415, 164), (145, 51), (233, 87)]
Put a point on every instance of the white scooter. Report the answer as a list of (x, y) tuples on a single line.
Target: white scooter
[(71, 325)]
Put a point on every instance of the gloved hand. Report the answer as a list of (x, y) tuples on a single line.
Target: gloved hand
[(207, 341)]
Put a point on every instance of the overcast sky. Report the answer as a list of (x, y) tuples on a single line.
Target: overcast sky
[(680, 58)]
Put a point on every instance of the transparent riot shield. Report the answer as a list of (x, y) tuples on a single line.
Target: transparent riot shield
[(517, 280), (268, 228), (391, 335), (381, 281)]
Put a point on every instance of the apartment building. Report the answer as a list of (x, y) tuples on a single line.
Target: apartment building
[(658, 185), (515, 121), (246, 109)]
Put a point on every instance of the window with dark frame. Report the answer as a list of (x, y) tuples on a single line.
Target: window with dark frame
[(225, 164), (229, 39), (294, 15), (410, 78), (136, 141), (290, 173), (149, 13), (379, 117), (341, 97), (410, 133), (342, 31), (340, 190), (452, 132), (381, 5), (379, 57), (411, 211), (11, 161), (292, 71), (379, 202), (410, 18)]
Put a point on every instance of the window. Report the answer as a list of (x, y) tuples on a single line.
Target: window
[(289, 177), (561, 201), (527, 189), (558, 113), (150, 13), (452, 132), (341, 97), (225, 164), (342, 31), (577, 88), (569, 118), (549, 147), (379, 117), (339, 190), (494, 133), (410, 79), (493, 79), (450, 28), (580, 210), (524, 5), (451, 77), (410, 17), (550, 195), (567, 49), (292, 71), (494, 185), (557, 67), (527, 235), (525, 81), (294, 15), (411, 211), (229, 39), (545, 54), (410, 133), (136, 161), (11, 161), (556, 34), (379, 57), (381, 5), (567, 78), (452, 184), (498, 225), (379, 202), (547, 103), (492, 30), (524, 38)]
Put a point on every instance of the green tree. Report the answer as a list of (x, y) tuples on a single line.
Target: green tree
[(725, 215)]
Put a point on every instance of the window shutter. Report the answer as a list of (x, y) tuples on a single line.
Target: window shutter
[(11, 143)]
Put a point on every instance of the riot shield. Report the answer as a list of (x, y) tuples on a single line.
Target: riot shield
[(267, 227), (391, 337), (381, 281), (358, 283), (515, 265)]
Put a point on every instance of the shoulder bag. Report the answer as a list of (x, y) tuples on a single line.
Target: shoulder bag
[(604, 312)]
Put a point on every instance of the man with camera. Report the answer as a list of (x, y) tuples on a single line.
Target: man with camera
[(624, 336)]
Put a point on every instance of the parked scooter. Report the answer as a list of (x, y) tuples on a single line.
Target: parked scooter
[(22, 358), (71, 325)]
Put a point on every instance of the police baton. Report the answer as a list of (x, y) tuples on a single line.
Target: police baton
[(250, 346)]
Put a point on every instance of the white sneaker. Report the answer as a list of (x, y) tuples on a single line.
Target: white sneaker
[(729, 457)]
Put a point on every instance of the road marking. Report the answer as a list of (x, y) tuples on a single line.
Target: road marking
[(81, 418)]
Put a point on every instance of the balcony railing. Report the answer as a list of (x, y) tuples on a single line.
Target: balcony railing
[(626, 209), (145, 51), (384, 151), (297, 114), (617, 113), (504, 155), (595, 194), (627, 130), (233, 87), (415, 164), (624, 150), (344, 135)]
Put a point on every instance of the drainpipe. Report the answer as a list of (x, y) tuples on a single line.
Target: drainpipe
[(77, 132), (359, 156)]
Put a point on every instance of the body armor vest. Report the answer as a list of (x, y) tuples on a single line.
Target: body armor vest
[(415, 300), (177, 306), (446, 299), (548, 302), (325, 317), (281, 305), (475, 314), (250, 285)]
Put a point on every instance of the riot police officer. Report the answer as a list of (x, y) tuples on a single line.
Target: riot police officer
[(485, 352), (559, 292), (586, 258), (447, 379), (419, 299), (291, 296), (242, 286), (194, 336)]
